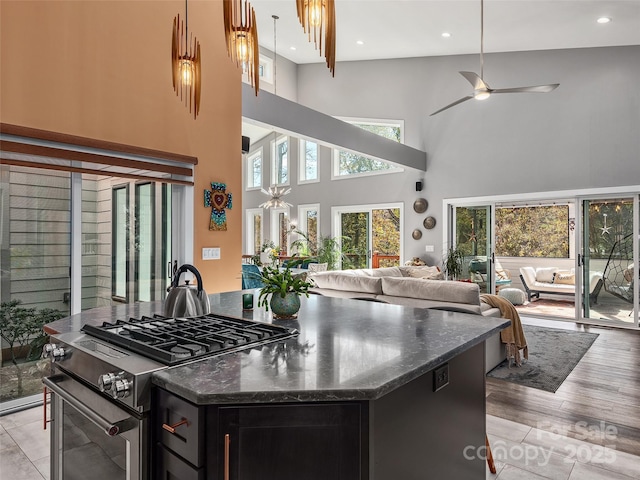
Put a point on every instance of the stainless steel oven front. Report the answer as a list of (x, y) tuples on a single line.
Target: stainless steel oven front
[(93, 437)]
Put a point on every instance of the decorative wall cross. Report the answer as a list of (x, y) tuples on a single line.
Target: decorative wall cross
[(218, 199)]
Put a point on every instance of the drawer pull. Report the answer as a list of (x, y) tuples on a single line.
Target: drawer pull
[(227, 441), (44, 407), (172, 428)]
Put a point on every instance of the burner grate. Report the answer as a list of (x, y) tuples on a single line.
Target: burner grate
[(174, 340)]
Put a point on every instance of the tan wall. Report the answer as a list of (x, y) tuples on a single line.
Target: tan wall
[(101, 69)]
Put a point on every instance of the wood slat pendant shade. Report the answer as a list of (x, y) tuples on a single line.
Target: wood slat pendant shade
[(185, 65), (241, 33), (319, 17)]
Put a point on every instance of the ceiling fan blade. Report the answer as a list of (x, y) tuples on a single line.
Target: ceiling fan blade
[(464, 99), (536, 89), (474, 79)]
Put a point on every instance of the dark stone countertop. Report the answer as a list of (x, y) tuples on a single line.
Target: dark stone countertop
[(346, 350)]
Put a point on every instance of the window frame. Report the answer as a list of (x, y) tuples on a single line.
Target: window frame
[(335, 153), (259, 152), (302, 162)]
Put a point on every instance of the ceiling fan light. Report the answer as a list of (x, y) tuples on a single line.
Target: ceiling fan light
[(481, 94)]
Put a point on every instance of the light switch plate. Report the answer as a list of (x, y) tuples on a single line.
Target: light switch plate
[(429, 248), (211, 253)]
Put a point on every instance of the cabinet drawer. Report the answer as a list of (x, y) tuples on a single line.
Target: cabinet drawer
[(187, 424), (172, 466)]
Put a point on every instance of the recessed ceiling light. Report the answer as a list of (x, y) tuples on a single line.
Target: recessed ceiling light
[(292, 48), (603, 20), (359, 42), (446, 34)]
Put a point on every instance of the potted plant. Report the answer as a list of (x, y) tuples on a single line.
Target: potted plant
[(282, 290), (453, 263), (322, 250)]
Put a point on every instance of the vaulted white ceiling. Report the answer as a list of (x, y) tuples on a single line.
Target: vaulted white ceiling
[(413, 28)]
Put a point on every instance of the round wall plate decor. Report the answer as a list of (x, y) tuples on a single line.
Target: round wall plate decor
[(420, 205), (429, 223), (416, 234)]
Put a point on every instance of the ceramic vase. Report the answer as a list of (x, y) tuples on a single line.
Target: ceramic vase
[(286, 307)]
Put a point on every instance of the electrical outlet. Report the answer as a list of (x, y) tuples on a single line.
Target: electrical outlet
[(429, 248), (441, 377)]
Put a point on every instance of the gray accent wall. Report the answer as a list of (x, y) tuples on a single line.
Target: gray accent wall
[(585, 134)]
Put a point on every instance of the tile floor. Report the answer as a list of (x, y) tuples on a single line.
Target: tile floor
[(520, 452)]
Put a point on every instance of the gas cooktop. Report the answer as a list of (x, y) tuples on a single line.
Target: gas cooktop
[(171, 341)]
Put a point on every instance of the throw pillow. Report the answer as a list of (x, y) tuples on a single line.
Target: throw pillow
[(545, 274), (564, 278)]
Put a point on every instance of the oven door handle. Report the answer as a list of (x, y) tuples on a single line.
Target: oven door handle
[(110, 428)]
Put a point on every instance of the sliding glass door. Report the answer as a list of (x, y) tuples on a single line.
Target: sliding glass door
[(472, 233), (370, 235), (607, 265)]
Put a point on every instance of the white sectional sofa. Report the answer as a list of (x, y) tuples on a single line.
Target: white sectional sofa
[(555, 281), (395, 285)]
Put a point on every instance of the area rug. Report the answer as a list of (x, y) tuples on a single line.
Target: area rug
[(553, 354)]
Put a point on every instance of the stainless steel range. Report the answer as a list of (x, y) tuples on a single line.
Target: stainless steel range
[(101, 385)]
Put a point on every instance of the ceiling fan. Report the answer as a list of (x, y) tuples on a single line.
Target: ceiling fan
[(481, 90)]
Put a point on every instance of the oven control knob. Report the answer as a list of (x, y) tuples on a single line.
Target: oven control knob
[(105, 382), (53, 351), (120, 388), (47, 349)]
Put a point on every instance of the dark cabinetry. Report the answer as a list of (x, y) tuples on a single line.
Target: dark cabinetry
[(285, 442), (289, 442), (424, 428)]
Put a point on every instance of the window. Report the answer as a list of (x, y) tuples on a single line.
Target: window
[(348, 164), (280, 162), (254, 170), (254, 231), (309, 225), (265, 70), (145, 239), (537, 231), (308, 165), (120, 241), (280, 229)]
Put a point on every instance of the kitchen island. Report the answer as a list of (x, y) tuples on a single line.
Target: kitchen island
[(365, 391)]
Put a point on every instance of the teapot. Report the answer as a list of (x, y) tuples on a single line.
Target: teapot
[(186, 300)]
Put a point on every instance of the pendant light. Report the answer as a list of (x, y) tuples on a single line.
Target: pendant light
[(185, 64), (275, 197), (319, 17), (241, 33)]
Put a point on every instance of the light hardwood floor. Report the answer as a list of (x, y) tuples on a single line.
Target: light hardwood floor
[(599, 402)]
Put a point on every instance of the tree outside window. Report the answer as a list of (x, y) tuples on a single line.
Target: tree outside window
[(280, 173), (308, 161), (254, 170), (349, 163), (538, 231)]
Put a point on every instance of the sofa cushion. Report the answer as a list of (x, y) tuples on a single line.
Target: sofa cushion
[(347, 281), (329, 292), (545, 274), (382, 272), (422, 303), (529, 275), (430, 273), (437, 290)]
